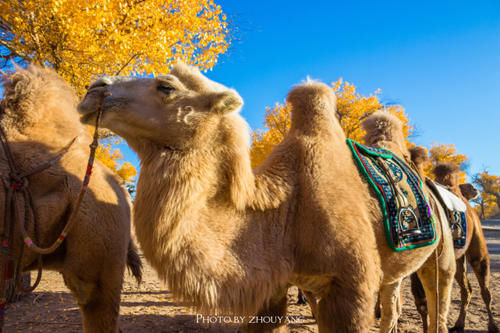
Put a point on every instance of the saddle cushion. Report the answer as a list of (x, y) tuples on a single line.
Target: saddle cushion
[(402, 232), (450, 200), (455, 210)]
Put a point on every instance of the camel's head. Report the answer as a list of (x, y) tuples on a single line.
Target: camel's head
[(447, 173), (420, 157), (469, 191), (179, 110)]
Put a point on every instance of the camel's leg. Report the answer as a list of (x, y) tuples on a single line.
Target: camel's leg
[(481, 268), (346, 307), (301, 298), (271, 318), (445, 282), (99, 302), (390, 306), (312, 301), (465, 294), (417, 289), (307, 297)]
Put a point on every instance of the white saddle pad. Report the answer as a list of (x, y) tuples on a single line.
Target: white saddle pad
[(452, 202)]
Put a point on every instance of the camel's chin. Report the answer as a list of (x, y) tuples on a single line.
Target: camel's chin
[(88, 110), (88, 118), (87, 107)]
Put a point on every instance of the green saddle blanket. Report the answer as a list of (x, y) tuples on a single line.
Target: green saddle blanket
[(407, 216)]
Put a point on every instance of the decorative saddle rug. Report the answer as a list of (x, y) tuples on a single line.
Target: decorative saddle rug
[(408, 220), (455, 210)]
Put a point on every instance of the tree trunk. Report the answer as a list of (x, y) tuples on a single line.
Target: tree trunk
[(11, 294)]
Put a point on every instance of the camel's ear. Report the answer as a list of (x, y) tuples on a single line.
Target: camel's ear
[(225, 102)]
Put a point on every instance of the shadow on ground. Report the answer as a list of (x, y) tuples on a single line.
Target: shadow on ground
[(150, 308)]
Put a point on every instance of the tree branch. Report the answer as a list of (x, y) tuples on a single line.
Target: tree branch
[(127, 63)]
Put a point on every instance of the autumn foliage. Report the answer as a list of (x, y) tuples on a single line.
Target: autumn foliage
[(445, 153), (111, 157), (352, 108), (81, 39), (277, 122), (488, 204)]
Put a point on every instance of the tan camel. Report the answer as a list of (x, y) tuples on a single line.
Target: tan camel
[(39, 117), (229, 239), (475, 249), (384, 130)]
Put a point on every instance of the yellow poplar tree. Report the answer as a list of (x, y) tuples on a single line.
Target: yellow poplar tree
[(352, 108), (486, 205), (489, 202), (111, 158), (277, 122), (82, 39), (445, 153)]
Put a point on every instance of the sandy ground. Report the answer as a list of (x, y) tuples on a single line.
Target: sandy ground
[(150, 307)]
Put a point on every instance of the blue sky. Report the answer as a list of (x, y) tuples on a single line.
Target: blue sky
[(439, 59)]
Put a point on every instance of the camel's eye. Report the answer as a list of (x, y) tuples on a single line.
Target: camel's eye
[(166, 89)]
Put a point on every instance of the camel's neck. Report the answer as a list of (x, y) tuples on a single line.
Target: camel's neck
[(171, 186), (191, 230)]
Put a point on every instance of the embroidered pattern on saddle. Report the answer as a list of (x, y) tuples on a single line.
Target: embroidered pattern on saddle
[(455, 210), (408, 219)]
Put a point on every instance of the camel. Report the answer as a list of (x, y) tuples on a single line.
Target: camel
[(229, 239), (384, 130), (38, 115), (475, 249)]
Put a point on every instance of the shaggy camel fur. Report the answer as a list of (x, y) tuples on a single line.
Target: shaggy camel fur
[(229, 239), (39, 116), (475, 249)]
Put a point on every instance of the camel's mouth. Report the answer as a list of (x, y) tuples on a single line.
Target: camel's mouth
[(88, 107), (88, 118)]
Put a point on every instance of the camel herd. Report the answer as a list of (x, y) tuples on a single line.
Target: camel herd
[(226, 238)]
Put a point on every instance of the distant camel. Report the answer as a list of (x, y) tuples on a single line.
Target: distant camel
[(229, 239), (39, 117), (475, 249)]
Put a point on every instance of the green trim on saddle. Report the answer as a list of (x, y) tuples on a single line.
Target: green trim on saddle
[(400, 234)]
